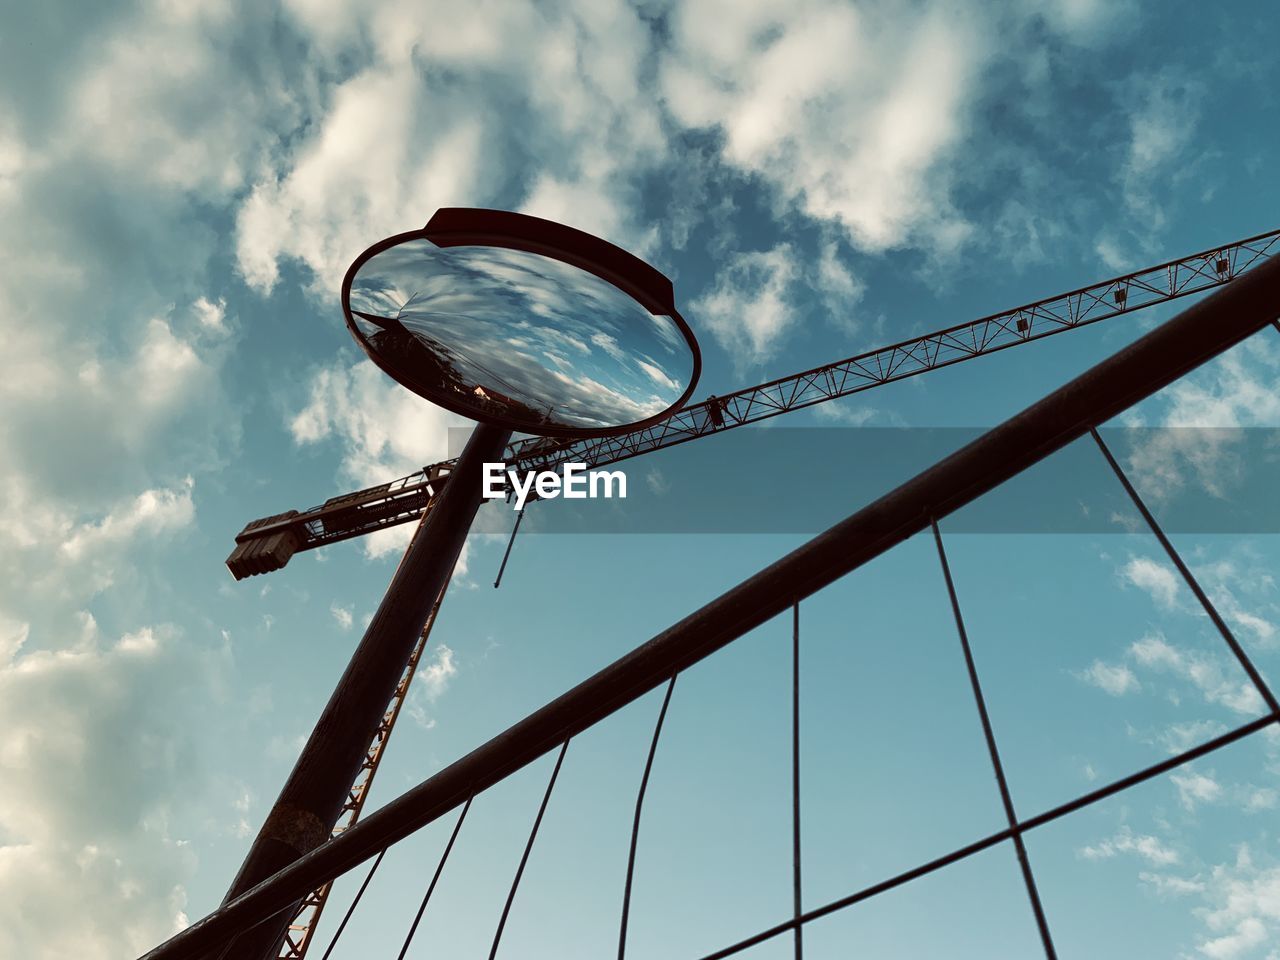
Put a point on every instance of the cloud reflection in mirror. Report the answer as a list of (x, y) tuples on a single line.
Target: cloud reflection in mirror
[(514, 336)]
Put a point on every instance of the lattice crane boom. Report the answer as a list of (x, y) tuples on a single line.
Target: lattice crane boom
[(302, 927), (267, 544)]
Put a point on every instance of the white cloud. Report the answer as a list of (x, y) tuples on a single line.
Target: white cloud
[(13, 635), (1196, 788), (1114, 258), (385, 431), (391, 542), (99, 450), (657, 481), (847, 413), (1245, 901), (1181, 737), (1116, 680), (393, 143), (1257, 799), (369, 171), (161, 99), (1177, 886), (342, 616), (1161, 127), (111, 410), (1155, 652), (1154, 578), (607, 343), (434, 676), (838, 288), (1227, 578), (847, 112), (98, 736), (1207, 411), (1236, 390), (436, 673), (657, 376), (1149, 848), (748, 310), (241, 829), (1086, 21), (151, 513), (1249, 933), (210, 314)]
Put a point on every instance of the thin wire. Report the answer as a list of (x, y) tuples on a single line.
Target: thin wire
[(795, 777), (497, 937), (635, 824), (1005, 796), (1242, 657), (413, 928), (1085, 800), (354, 903)]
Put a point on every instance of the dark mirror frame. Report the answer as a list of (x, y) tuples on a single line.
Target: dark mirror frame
[(475, 227)]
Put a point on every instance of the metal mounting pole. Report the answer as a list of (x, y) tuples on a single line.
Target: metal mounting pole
[(312, 798)]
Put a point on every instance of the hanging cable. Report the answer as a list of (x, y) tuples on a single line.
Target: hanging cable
[(514, 530), (635, 824), (795, 777), (502, 922), (413, 928), (354, 903)]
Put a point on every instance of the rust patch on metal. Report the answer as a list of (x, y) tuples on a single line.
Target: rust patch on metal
[(295, 827)]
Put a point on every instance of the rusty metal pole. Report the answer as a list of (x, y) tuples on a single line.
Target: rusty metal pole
[(312, 797)]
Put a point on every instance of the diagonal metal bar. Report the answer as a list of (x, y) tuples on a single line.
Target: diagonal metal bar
[(1242, 658), (986, 843), (1006, 798)]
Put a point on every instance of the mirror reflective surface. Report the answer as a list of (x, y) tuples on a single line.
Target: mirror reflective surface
[(513, 337)]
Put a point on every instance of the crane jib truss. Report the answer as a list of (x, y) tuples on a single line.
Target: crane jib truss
[(267, 544)]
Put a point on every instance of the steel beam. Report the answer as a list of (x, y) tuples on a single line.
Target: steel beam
[(312, 799)]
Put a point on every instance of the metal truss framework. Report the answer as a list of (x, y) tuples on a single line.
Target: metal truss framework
[(409, 497), (268, 544), (302, 927), (1159, 358)]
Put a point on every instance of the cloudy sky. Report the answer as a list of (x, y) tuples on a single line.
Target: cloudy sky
[(182, 186)]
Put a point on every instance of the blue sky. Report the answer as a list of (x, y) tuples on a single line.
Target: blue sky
[(183, 185)]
